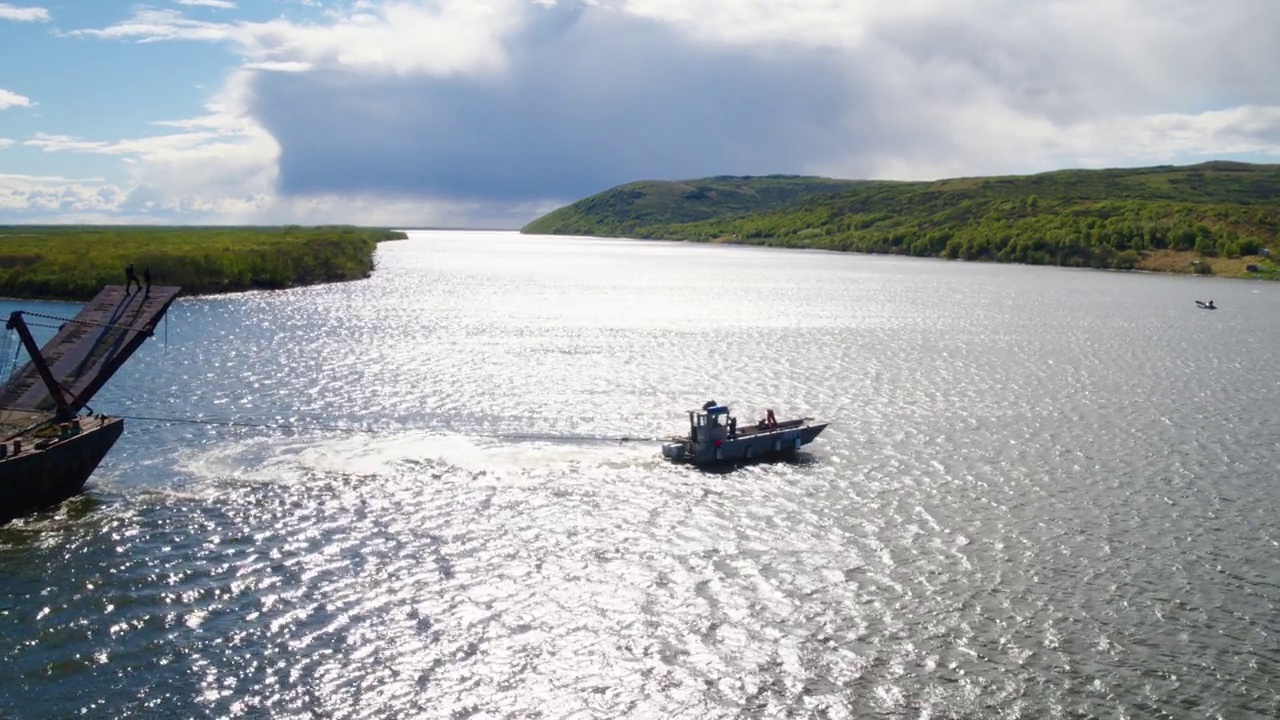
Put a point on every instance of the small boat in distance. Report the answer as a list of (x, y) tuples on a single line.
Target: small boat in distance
[(48, 449), (714, 436), (1206, 305)]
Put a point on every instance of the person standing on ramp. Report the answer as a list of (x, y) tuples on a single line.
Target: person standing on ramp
[(130, 278)]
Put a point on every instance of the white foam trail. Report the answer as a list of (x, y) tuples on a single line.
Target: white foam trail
[(273, 460)]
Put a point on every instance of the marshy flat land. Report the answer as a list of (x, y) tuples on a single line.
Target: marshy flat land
[(73, 262)]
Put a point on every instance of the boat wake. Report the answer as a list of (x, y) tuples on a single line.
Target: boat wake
[(413, 454)]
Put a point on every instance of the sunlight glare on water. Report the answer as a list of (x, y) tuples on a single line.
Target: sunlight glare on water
[(1044, 493)]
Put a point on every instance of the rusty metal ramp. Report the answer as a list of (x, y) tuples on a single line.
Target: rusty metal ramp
[(88, 348)]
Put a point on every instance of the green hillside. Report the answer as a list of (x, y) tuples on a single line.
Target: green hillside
[(627, 208), (1227, 213)]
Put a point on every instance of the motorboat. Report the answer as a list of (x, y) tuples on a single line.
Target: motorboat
[(716, 436)]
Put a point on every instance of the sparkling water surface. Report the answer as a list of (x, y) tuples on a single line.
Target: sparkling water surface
[(1044, 493)]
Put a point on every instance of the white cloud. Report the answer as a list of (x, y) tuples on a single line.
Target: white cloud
[(218, 168), (149, 25), (220, 162), (5, 142), (45, 196), (279, 66), (23, 14), (1017, 142), (10, 99), (51, 199), (809, 23), (400, 37), (1243, 130), (219, 4)]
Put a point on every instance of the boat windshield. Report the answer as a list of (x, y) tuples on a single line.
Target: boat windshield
[(701, 419)]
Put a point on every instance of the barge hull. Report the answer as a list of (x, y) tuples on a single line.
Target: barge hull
[(37, 479)]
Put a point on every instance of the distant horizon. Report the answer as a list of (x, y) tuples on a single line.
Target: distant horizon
[(517, 225), (393, 226)]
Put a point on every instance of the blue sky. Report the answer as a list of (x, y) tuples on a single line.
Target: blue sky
[(489, 112)]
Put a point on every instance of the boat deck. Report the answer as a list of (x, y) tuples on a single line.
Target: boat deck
[(749, 430), (88, 349)]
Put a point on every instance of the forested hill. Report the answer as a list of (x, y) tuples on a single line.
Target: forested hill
[(1123, 218), (626, 209)]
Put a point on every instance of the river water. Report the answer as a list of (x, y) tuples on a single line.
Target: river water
[(1044, 493)]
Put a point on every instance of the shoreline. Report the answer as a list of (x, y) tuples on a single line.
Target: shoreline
[(197, 294), (1154, 262)]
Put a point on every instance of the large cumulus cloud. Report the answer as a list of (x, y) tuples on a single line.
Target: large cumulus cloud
[(582, 105)]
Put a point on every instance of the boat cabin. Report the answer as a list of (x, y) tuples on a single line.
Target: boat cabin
[(709, 424)]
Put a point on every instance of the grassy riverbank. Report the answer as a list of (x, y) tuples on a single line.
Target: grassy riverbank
[(1219, 218), (74, 262)]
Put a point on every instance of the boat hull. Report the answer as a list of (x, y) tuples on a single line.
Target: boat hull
[(751, 447), (36, 479)]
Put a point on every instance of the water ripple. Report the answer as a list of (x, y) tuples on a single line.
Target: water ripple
[(1045, 493)]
